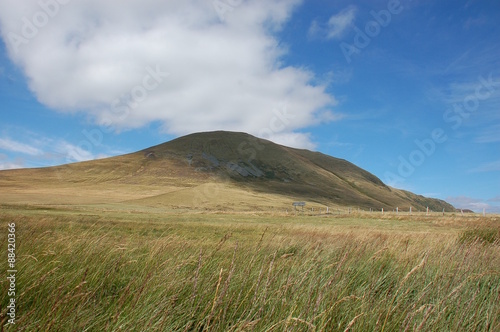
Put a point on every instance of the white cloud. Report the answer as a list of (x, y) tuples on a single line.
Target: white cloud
[(227, 74), (476, 205), (72, 152), (290, 139), (44, 151), (495, 199), (476, 89), (336, 25), (5, 163), (14, 146), (9, 165), (493, 166)]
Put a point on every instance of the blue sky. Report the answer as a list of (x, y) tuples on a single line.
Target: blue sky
[(408, 90)]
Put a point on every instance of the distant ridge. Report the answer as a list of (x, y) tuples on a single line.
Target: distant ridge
[(214, 170)]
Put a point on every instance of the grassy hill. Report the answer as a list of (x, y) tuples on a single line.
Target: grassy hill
[(139, 242), (213, 170)]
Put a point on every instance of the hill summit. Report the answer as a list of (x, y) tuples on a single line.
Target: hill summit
[(212, 170)]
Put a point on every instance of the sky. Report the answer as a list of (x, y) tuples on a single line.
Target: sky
[(408, 90)]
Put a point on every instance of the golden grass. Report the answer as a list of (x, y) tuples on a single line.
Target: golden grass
[(108, 268)]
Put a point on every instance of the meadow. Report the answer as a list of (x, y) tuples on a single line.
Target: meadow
[(113, 268)]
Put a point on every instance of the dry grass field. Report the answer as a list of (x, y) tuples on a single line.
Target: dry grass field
[(123, 267)]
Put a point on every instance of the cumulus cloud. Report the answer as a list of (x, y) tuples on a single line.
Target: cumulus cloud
[(336, 25), (129, 63)]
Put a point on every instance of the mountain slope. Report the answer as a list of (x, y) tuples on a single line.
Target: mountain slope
[(211, 170)]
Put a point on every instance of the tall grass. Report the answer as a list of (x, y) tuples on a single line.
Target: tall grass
[(482, 235), (84, 274)]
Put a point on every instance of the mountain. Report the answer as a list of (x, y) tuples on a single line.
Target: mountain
[(212, 170)]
